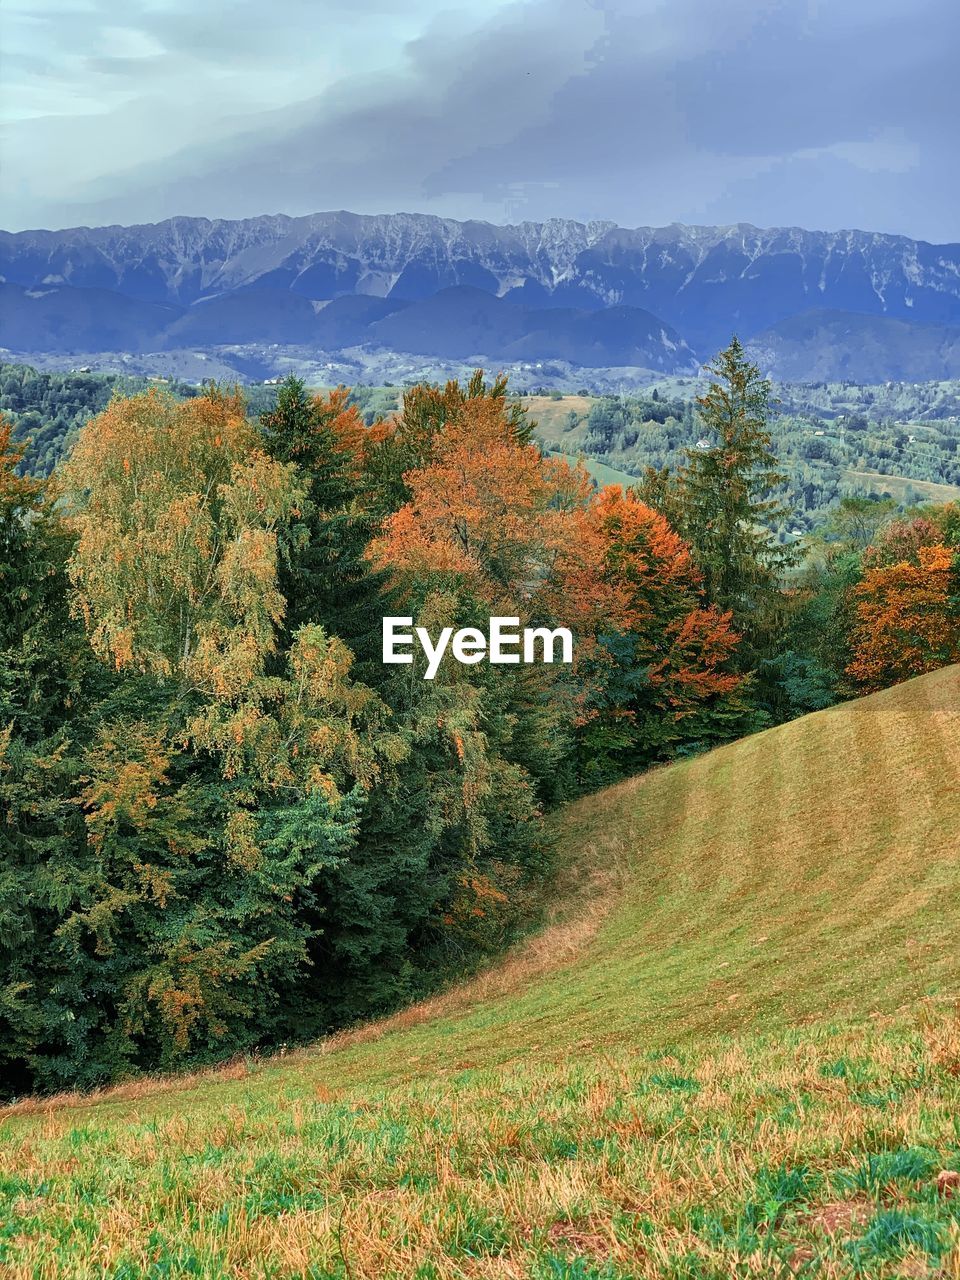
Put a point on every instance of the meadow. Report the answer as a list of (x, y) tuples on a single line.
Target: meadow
[(733, 1051)]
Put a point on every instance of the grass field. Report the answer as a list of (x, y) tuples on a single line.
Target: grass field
[(735, 1052), (552, 417), (900, 486), (603, 474)]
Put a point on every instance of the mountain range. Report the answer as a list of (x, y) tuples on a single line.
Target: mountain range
[(810, 304)]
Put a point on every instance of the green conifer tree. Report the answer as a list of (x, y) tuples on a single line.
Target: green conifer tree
[(324, 575), (729, 500), (46, 677)]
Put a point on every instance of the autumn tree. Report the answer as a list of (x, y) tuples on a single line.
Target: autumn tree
[(907, 619), (486, 508), (219, 788), (476, 535), (901, 541), (405, 444), (522, 534), (655, 661)]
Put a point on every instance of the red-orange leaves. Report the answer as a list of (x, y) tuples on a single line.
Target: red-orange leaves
[(627, 586), (347, 427), (485, 507), (618, 560), (907, 620)]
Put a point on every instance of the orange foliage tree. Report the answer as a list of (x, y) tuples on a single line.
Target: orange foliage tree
[(654, 659), (486, 508), (527, 537), (907, 619)]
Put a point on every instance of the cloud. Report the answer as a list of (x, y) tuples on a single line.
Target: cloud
[(813, 75), (640, 111)]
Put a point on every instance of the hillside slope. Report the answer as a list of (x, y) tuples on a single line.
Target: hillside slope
[(830, 346), (731, 1059)]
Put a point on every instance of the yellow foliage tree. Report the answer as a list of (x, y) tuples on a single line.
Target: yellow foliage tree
[(177, 511)]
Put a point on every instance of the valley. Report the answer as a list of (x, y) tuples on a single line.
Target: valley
[(898, 440)]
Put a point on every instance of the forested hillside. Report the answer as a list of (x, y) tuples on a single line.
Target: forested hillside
[(48, 409), (229, 824), (832, 442)]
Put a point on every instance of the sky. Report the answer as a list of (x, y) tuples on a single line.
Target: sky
[(826, 114)]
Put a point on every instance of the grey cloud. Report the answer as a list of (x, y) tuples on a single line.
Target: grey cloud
[(140, 69), (804, 80), (370, 140), (829, 191), (222, 29), (637, 110)]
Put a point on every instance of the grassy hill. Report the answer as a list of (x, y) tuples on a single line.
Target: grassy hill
[(601, 473), (901, 488), (734, 1052)]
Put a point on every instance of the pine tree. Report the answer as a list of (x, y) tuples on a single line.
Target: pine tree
[(324, 574), (46, 680), (729, 502)]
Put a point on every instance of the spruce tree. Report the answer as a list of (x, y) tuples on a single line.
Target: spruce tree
[(46, 687), (729, 501), (324, 575)]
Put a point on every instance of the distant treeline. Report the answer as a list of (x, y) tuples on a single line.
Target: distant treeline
[(820, 454), (824, 434)]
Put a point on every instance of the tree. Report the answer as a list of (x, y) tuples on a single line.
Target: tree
[(901, 541), (33, 548), (486, 508), (728, 504), (48, 682), (214, 835), (476, 534), (908, 619), (226, 778), (659, 488), (654, 660), (405, 444), (857, 521), (324, 574)]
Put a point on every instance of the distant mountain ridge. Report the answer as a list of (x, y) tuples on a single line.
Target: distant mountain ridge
[(271, 278)]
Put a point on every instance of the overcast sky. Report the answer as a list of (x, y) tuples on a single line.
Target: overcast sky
[(816, 113)]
